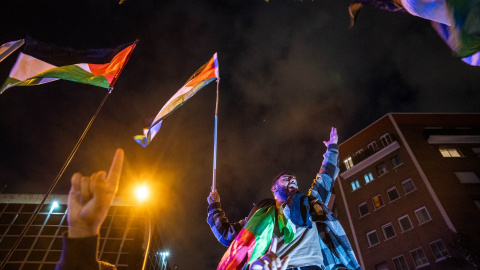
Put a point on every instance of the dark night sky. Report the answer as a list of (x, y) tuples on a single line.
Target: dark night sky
[(289, 71)]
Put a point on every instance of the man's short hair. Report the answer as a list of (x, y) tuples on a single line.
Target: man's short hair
[(280, 174)]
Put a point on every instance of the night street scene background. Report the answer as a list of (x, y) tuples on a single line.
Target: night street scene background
[(289, 71)]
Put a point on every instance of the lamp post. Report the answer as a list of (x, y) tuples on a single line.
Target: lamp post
[(142, 193)]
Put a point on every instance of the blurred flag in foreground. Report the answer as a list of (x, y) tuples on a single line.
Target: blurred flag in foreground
[(9, 47), (456, 21), (203, 76), (42, 62)]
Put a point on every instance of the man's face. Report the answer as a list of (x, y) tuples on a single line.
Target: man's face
[(285, 185)]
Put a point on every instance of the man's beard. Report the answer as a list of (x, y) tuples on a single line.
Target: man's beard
[(284, 192)]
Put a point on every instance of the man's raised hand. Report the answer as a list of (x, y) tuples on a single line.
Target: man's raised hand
[(333, 137)]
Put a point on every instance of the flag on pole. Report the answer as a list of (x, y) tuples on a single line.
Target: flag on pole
[(203, 76), (9, 47), (42, 63)]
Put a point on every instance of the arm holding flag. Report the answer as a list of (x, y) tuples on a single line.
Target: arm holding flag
[(223, 230)]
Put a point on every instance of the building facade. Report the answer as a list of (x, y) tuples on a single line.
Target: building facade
[(123, 235), (408, 193)]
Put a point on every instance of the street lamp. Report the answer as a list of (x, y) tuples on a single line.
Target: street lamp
[(142, 192), (164, 256)]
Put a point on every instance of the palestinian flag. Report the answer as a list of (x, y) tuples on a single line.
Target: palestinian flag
[(254, 239), (9, 47), (203, 76), (42, 62)]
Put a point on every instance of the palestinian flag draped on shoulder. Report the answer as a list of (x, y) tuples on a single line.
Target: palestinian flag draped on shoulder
[(42, 63)]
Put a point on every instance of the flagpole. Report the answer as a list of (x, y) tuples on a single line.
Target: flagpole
[(214, 181), (62, 170)]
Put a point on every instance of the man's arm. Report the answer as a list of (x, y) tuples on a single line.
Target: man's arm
[(89, 199), (322, 185), (223, 230)]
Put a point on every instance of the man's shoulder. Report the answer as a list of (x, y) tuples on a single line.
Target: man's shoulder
[(260, 204)]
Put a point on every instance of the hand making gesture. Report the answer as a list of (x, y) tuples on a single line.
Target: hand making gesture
[(90, 198), (270, 261)]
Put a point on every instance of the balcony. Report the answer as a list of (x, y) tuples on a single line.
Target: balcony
[(369, 156)]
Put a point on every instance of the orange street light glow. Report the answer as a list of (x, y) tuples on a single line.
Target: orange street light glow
[(142, 193)]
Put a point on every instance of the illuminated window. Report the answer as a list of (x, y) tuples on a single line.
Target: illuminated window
[(439, 250), (372, 238), (419, 257), (386, 139), (363, 209), (449, 152), (467, 177), (388, 231), (381, 169), (348, 162), (368, 177), (377, 201), (422, 215), (408, 186), (405, 223), (400, 263), (355, 184), (396, 161), (392, 194)]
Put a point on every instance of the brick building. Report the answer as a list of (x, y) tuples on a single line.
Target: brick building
[(408, 183)]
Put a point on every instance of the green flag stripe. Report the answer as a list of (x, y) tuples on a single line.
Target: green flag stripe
[(76, 74)]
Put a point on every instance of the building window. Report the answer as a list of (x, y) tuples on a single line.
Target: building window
[(400, 263), (467, 177), (388, 231), (348, 162), (422, 215), (449, 152), (359, 154), (386, 139), (392, 194), (476, 150), (368, 177), (396, 161), (372, 238), (363, 209), (372, 147), (355, 184), (405, 223), (419, 257), (439, 250), (377, 201), (382, 169), (408, 186)]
